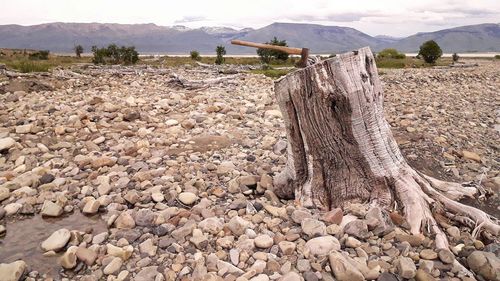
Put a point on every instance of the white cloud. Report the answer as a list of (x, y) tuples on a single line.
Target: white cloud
[(391, 17)]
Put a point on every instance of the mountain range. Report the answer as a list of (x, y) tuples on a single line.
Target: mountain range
[(151, 38)]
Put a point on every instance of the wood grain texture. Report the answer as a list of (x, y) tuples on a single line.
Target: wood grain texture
[(341, 149)]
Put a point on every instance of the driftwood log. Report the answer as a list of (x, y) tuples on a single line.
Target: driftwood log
[(341, 148)]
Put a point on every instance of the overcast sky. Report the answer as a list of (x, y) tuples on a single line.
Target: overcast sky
[(388, 17)]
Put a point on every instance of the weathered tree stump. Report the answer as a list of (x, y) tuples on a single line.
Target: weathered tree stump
[(341, 148)]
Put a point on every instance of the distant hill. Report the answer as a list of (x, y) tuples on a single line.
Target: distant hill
[(318, 38), (471, 38), (151, 38)]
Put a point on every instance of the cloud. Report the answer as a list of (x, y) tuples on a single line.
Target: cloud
[(337, 17), (187, 19)]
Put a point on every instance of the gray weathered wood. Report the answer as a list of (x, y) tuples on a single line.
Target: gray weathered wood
[(341, 148)]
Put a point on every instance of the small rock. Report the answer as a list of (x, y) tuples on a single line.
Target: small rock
[(428, 254), (187, 198), (313, 227), (147, 247), (120, 252), (56, 240), (291, 276), (211, 225), (125, 221), (12, 271), (343, 269), (406, 267), (86, 255), (199, 239), (471, 156), (68, 259), (357, 228), (352, 242), (6, 143), (264, 241), (157, 197), (333, 217), (147, 273), (446, 256), (414, 240), (299, 215), (286, 247), (421, 275), (238, 225), (321, 246), (47, 178), (4, 193), (113, 266), (226, 267), (485, 264), (102, 162), (91, 207)]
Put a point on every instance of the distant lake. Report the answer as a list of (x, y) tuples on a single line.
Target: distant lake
[(145, 54)]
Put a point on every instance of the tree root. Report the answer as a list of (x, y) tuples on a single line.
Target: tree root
[(418, 192)]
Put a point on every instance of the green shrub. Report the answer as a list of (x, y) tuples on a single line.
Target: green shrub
[(271, 72), (115, 55), (221, 51), (78, 51), (455, 57), (497, 57), (26, 66), (266, 55), (195, 55), (430, 51), (40, 55), (390, 53)]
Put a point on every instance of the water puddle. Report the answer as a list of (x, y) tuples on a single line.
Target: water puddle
[(24, 237)]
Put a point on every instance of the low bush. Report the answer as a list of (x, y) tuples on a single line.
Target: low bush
[(26, 66), (390, 53), (115, 55), (40, 55), (195, 55)]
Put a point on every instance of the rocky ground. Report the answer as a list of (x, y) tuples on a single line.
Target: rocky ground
[(177, 171)]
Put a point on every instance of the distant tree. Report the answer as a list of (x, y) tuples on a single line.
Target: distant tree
[(390, 53), (115, 55), (195, 55), (221, 51), (266, 55), (78, 50), (430, 51), (455, 57)]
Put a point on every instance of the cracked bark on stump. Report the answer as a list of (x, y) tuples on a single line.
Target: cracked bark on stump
[(341, 148)]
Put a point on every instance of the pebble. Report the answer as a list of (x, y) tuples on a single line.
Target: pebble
[(91, 207), (264, 241), (6, 143), (57, 240), (187, 198), (113, 266), (406, 267), (13, 271), (485, 264), (321, 246), (313, 228)]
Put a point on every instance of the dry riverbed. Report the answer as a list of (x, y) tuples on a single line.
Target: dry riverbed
[(141, 174)]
